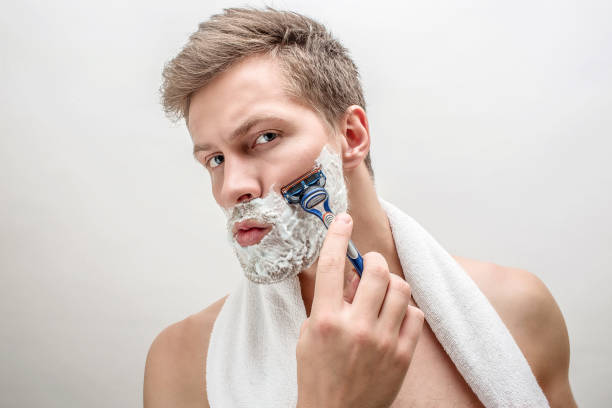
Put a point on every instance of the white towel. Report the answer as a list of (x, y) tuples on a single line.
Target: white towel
[(251, 355)]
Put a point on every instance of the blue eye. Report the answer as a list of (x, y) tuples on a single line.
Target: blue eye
[(216, 160), (266, 137)]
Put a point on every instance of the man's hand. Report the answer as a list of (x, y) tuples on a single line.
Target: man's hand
[(355, 354)]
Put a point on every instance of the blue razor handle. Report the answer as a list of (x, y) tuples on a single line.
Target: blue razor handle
[(312, 198)]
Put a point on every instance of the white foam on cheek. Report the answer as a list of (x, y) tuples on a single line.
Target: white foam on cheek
[(331, 163), (295, 240)]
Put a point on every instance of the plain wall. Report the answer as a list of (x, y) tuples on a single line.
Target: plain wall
[(490, 122)]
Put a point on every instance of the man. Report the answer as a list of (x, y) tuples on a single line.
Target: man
[(264, 94)]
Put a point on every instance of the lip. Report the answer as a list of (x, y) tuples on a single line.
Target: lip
[(250, 232)]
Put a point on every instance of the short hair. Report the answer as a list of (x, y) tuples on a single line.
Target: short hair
[(316, 67)]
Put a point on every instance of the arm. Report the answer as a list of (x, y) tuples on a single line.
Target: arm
[(175, 370), (535, 321), (551, 363), (170, 379)]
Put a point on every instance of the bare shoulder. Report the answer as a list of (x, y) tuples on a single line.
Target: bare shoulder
[(176, 362), (534, 319)]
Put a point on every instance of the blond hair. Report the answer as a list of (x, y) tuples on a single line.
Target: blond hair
[(317, 68)]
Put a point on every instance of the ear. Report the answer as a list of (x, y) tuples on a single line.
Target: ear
[(356, 137)]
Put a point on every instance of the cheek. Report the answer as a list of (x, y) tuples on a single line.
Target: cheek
[(306, 153), (302, 159), (299, 162)]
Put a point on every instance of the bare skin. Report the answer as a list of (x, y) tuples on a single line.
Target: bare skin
[(348, 349), (246, 168), (175, 373)]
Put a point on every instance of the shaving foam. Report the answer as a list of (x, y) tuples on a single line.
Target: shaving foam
[(295, 240)]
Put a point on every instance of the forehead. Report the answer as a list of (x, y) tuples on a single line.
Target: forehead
[(252, 86)]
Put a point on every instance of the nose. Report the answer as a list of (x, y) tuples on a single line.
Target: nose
[(241, 182)]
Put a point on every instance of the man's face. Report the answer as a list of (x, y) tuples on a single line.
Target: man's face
[(253, 139), (253, 136)]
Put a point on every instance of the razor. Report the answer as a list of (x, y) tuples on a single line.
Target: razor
[(308, 191)]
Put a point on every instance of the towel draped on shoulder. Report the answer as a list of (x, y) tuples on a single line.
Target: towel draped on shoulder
[(251, 358)]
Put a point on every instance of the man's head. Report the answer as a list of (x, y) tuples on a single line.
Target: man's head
[(316, 69), (262, 93)]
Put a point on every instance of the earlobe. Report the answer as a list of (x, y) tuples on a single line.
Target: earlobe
[(356, 137)]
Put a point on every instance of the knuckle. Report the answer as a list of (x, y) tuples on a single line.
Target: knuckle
[(376, 265), (362, 335), (403, 356), (326, 262), (325, 326), (400, 285), (386, 345)]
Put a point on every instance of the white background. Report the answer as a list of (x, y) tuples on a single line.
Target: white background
[(490, 122)]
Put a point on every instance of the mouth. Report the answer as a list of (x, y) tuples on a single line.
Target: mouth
[(250, 232)]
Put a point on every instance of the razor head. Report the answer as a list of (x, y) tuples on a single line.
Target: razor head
[(293, 191), (313, 197)]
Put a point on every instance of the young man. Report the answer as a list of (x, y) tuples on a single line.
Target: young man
[(265, 95)]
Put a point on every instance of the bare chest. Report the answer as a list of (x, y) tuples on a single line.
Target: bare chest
[(433, 380)]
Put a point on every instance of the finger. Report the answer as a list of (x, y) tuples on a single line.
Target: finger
[(351, 282), (329, 281), (395, 306), (410, 330), (372, 287)]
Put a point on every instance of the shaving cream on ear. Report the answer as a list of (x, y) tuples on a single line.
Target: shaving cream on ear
[(295, 240)]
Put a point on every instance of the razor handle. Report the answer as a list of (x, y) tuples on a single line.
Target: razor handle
[(351, 251)]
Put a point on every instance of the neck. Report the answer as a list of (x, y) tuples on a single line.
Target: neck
[(371, 231)]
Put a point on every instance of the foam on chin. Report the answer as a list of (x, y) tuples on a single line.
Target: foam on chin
[(295, 240)]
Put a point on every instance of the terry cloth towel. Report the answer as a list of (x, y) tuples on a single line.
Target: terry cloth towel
[(251, 358)]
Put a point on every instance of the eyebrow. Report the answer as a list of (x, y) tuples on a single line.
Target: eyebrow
[(240, 130)]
